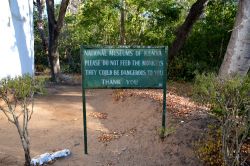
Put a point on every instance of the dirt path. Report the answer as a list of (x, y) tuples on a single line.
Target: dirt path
[(119, 132)]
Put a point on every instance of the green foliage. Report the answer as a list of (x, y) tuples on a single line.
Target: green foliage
[(152, 22), (98, 22), (147, 23), (206, 46), (41, 60), (164, 132), (229, 99), (209, 148), (21, 87), (17, 102), (224, 94)]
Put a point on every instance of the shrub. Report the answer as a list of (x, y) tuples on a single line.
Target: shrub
[(209, 149), (230, 102), (16, 102)]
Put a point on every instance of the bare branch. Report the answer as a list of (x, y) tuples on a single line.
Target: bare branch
[(32, 107), (5, 111)]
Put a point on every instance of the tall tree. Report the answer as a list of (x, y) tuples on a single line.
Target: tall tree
[(55, 26), (183, 31), (237, 57), (50, 42)]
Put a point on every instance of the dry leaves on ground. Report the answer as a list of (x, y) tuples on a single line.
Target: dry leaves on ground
[(245, 150), (179, 105), (108, 137), (98, 115)]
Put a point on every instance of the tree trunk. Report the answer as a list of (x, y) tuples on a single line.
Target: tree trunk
[(54, 60), (237, 57), (55, 27), (183, 31), (27, 155), (122, 23), (23, 134)]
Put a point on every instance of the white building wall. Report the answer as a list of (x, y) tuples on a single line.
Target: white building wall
[(16, 38)]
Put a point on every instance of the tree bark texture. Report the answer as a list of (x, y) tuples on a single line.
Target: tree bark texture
[(237, 57), (183, 31), (23, 134), (55, 27), (122, 23)]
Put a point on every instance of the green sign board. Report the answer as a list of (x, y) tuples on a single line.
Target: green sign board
[(123, 67)]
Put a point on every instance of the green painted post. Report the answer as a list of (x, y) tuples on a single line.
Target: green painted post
[(85, 122), (164, 109), (164, 94), (84, 108)]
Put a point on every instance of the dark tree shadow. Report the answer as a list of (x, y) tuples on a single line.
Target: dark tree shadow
[(24, 47)]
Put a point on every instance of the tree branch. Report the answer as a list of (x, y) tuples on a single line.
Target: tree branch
[(62, 11), (183, 31), (6, 114), (51, 19)]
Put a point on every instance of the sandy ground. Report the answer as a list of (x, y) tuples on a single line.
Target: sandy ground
[(132, 125)]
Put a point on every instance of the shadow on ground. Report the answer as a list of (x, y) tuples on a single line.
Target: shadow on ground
[(129, 135)]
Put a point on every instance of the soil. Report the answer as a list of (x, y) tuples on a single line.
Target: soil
[(120, 132)]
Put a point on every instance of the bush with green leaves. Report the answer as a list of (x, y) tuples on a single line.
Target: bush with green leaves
[(17, 103), (209, 148), (229, 99)]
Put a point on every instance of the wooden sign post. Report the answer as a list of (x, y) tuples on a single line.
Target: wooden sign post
[(124, 67)]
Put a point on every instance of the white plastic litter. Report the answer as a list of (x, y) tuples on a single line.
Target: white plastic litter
[(48, 157)]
